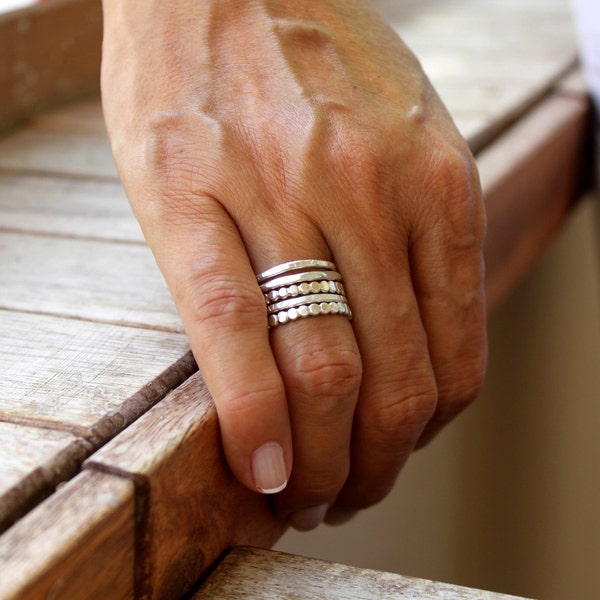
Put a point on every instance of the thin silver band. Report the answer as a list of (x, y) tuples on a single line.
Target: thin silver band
[(297, 278), (295, 265)]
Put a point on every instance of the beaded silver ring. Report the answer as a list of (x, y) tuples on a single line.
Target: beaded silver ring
[(303, 288)]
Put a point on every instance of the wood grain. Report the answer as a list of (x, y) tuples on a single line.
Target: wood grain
[(72, 152), (33, 462), (77, 544), (62, 207), (256, 574), (482, 58), (530, 177), (89, 378), (173, 454), (86, 279)]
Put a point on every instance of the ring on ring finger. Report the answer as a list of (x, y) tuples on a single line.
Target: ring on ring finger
[(303, 288)]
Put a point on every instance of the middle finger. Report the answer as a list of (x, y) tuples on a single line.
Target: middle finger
[(320, 365)]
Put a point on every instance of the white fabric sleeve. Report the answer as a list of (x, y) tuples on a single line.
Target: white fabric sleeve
[(587, 18)]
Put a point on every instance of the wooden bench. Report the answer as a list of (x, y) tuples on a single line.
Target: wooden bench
[(109, 440)]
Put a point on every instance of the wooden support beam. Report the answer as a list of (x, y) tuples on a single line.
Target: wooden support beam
[(530, 178), (194, 508)]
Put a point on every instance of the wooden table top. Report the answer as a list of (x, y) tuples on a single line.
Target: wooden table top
[(91, 344)]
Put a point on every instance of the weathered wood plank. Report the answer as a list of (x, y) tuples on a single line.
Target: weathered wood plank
[(530, 177), (87, 279), (482, 58), (63, 207), (255, 574), (77, 544), (174, 455), (35, 150), (90, 378), (49, 53), (33, 462)]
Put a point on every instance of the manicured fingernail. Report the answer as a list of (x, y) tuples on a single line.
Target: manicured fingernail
[(338, 516), (308, 518), (268, 468)]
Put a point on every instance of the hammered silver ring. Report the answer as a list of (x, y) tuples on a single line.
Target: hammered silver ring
[(303, 288)]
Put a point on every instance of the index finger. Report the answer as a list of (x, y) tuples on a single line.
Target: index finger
[(206, 266)]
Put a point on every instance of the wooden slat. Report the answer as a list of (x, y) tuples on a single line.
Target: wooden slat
[(482, 57), (195, 508), (80, 543), (255, 574), (87, 279), (63, 207), (530, 177), (49, 53), (89, 378), (35, 150), (33, 462)]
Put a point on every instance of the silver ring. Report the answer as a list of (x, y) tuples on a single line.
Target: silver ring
[(300, 300), (310, 310), (303, 288), (302, 277), (295, 265)]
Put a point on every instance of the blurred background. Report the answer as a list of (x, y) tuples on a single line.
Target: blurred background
[(507, 498), (7, 5)]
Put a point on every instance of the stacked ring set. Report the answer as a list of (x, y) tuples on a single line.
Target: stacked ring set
[(303, 288)]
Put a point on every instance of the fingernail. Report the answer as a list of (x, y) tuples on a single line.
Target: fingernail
[(339, 516), (268, 469), (308, 518)]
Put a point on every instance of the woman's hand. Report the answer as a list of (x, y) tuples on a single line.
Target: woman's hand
[(252, 132)]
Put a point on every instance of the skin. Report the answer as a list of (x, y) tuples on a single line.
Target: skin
[(252, 132)]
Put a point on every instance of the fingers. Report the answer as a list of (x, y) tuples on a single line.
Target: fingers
[(398, 393), (321, 366), (300, 385), (448, 276), (421, 332), (224, 314)]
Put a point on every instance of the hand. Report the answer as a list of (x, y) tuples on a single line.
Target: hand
[(249, 133)]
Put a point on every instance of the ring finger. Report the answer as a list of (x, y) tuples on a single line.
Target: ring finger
[(320, 364)]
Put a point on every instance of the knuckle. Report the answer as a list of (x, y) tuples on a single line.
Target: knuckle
[(166, 149), (174, 150), (399, 423), (454, 193), (357, 156), (329, 373), (222, 298), (242, 401)]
